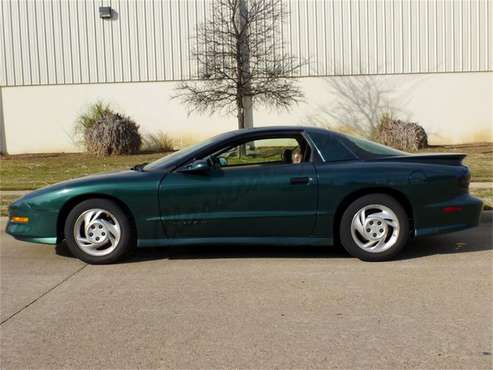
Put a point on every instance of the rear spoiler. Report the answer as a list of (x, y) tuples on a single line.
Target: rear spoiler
[(451, 159)]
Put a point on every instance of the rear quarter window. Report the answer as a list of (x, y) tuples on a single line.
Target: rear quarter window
[(368, 150), (372, 148), (331, 148)]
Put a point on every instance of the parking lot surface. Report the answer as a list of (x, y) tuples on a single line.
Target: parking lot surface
[(255, 307)]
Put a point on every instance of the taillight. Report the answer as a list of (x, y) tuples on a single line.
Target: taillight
[(464, 180), (451, 209)]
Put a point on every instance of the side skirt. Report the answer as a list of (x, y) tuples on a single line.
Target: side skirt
[(276, 241)]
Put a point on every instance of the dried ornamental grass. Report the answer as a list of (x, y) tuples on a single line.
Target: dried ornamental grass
[(158, 142), (113, 134), (407, 136)]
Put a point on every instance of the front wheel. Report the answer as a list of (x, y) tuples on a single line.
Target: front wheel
[(374, 227), (97, 231)]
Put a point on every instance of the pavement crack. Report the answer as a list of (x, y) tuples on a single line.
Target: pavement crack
[(42, 295)]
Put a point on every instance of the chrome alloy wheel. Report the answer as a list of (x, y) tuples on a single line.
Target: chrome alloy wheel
[(375, 228), (97, 232)]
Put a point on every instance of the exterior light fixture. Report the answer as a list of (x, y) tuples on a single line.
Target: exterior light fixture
[(105, 12), (19, 219)]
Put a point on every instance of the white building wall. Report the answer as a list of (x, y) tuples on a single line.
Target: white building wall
[(453, 108), (45, 42), (58, 56)]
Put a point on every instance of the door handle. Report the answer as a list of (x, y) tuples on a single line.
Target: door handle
[(300, 180)]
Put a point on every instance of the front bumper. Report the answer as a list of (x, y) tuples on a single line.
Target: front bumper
[(432, 220), (41, 227)]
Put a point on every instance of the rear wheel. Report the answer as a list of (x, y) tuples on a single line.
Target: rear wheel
[(97, 231), (374, 227)]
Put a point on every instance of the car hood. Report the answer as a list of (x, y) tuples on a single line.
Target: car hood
[(99, 178)]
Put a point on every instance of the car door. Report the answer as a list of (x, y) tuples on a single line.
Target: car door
[(252, 199)]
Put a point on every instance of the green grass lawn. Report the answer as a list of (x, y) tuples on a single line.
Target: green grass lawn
[(28, 172), (32, 171), (5, 201), (479, 158), (486, 195)]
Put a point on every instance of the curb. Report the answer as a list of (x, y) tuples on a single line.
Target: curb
[(14, 192), (486, 217), (481, 185)]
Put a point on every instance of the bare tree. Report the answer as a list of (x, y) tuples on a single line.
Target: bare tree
[(359, 102), (241, 59)]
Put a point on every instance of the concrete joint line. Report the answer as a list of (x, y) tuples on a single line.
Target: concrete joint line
[(42, 295)]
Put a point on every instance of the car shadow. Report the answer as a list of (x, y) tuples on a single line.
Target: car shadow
[(473, 240), (234, 251), (468, 241)]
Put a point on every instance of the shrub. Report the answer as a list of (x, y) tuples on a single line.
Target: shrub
[(407, 136), (158, 142), (112, 134), (96, 112)]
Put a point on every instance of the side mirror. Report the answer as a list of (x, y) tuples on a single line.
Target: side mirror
[(198, 166), (223, 162), (219, 161)]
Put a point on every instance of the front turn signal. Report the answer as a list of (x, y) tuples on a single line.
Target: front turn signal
[(19, 219)]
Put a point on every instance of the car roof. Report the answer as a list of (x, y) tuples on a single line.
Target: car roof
[(280, 129)]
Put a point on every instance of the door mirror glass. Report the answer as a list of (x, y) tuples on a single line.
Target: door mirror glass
[(222, 162), (218, 162), (198, 166)]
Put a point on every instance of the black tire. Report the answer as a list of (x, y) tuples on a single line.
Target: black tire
[(125, 244), (350, 244), (61, 249)]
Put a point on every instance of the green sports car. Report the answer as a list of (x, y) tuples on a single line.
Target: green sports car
[(273, 185)]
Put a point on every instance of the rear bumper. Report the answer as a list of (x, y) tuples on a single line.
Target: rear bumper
[(432, 220)]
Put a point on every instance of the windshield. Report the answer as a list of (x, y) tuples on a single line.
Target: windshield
[(180, 154), (374, 148)]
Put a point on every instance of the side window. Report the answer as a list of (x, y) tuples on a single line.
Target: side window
[(262, 151)]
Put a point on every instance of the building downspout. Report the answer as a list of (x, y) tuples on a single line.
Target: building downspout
[(247, 100), (3, 140)]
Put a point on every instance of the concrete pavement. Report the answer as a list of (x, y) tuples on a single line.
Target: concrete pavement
[(257, 307)]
